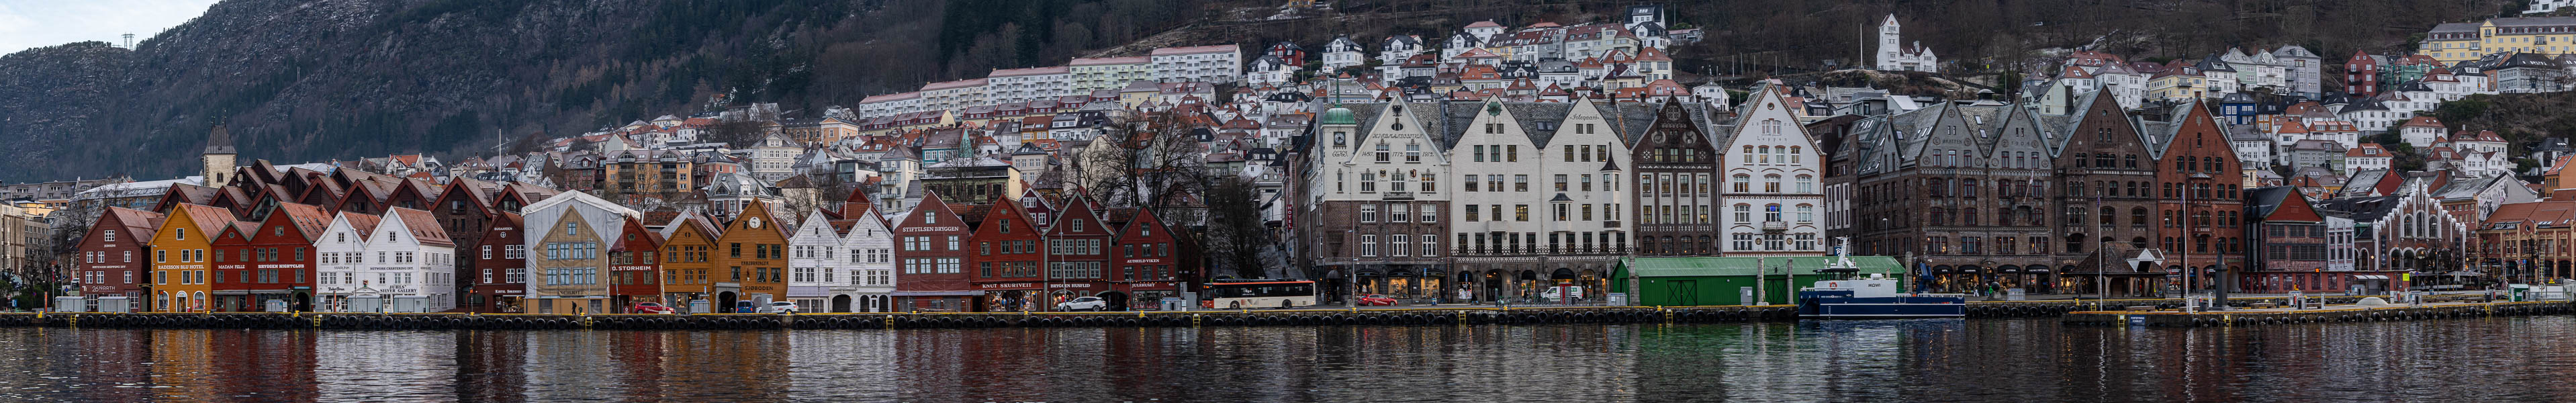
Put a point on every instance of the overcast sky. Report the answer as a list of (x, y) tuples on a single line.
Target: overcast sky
[(39, 23)]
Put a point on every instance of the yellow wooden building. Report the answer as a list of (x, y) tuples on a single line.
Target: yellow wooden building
[(752, 252), (179, 262)]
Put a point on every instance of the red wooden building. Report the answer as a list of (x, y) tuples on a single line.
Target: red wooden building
[(634, 270), (1005, 259), (280, 257), (930, 254), (232, 256), (1149, 261), (1077, 248), (500, 268), (112, 254)]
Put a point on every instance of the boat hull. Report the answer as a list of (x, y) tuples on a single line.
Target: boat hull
[(1903, 307)]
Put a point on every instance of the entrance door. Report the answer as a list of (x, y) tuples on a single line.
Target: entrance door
[(1683, 292), (725, 302), (840, 303), (1117, 300)]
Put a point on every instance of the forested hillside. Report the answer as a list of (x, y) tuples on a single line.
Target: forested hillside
[(312, 80)]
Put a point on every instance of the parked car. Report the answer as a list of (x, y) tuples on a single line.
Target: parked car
[(1083, 304), (1376, 300), (781, 307), (745, 307), (649, 307), (1559, 292)]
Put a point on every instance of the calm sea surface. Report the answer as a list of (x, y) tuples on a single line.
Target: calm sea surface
[(2499, 359)]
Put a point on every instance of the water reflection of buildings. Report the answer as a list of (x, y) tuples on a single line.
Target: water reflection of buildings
[(278, 365), (180, 359), (110, 357), (376, 366), (988, 365), (563, 366), (491, 366), (720, 365), (842, 366)]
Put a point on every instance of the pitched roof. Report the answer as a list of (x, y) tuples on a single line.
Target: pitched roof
[(363, 223), (136, 222), (422, 226), (309, 219), (209, 219)]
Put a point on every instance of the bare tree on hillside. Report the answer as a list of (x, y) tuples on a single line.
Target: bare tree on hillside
[(1236, 235), (1157, 163)]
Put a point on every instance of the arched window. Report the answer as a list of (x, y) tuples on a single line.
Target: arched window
[(1763, 152), (2110, 216), (1744, 213), (2137, 216), (1793, 154), (1771, 212), (1940, 216), (1806, 183), (1970, 219), (1771, 183), (1806, 214), (1743, 183), (1968, 187)]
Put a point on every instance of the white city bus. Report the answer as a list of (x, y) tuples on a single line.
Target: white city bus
[(1236, 294)]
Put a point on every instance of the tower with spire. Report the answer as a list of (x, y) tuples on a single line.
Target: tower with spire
[(217, 160)]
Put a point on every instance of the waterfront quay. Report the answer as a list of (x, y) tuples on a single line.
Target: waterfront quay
[(2266, 315), (2162, 312)]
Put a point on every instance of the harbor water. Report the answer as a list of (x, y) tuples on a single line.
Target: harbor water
[(2482, 359)]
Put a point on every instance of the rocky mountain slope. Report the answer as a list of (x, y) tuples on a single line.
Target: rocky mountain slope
[(313, 80)]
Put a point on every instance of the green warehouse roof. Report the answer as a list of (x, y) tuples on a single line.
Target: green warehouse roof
[(1743, 266)]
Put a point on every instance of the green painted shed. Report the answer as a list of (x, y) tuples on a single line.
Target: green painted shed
[(1691, 281)]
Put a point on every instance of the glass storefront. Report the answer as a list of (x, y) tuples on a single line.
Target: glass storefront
[(1147, 300), (1012, 301)]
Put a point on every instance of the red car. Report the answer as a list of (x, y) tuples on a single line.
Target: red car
[(1376, 300), (648, 307)]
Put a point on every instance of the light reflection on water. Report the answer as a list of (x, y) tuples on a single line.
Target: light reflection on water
[(1926, 360)]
